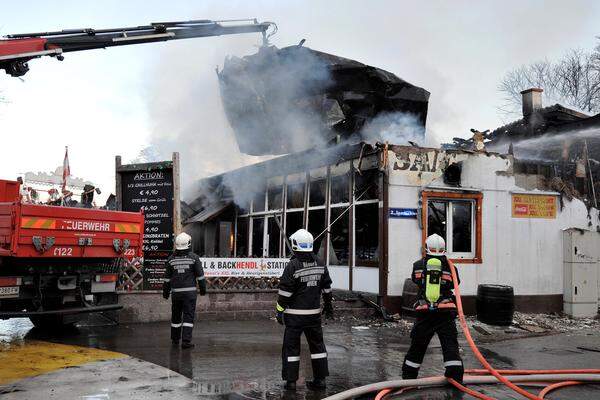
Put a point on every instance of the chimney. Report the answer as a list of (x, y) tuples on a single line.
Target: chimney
[(532, 101)]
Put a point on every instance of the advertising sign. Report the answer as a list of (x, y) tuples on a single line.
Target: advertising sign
[(533, 206), (243, 267)]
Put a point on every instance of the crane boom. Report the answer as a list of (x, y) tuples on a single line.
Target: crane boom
[(16, 50)]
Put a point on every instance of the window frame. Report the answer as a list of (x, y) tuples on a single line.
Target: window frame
[(477, 199)]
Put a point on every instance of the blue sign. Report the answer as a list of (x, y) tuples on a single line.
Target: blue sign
[(403, 213)]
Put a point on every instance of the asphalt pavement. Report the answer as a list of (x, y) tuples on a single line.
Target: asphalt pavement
[(241, 359)]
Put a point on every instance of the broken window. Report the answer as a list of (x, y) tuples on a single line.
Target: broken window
[(317, 192), (273, 236), (241, 239), (257, 236), (366, 223), (316, 225), (436, 218), (294, 221), (340, 189), (339, 236), (258, 204), (295, 195), (366, 185), (453, 219), (462, 226), (275, 196)]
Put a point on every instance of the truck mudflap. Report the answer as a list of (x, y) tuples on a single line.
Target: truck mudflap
[(64, 311)]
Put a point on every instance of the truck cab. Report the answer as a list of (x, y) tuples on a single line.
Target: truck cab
[(57, 263)]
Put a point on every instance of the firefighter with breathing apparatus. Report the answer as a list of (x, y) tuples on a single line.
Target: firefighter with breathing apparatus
[(301, 286), (436, 312)]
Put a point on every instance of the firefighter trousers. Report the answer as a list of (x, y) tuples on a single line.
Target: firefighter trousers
[(291, 352), (183, 310), (442, 323)]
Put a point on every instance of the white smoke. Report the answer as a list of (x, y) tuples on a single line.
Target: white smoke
[(397, 128)]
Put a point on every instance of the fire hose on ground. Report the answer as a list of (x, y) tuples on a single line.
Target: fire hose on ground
[(553, 379)]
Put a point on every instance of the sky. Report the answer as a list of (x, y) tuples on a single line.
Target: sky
[(119, 101)]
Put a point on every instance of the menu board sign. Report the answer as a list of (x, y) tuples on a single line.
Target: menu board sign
[(151, 190)]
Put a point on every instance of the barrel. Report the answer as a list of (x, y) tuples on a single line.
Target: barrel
[(410, 292), (495, 304)]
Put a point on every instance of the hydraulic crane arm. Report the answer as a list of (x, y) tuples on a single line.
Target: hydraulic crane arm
[(17, 50)]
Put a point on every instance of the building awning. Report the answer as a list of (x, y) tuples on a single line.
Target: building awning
[(210, 212)]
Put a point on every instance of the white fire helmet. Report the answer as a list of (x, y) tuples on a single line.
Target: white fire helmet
[(435, 245), (302, 241), (183, 241)]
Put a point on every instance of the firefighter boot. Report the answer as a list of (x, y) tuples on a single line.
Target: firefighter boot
[(187, 345), (316, 384), (290, 385)]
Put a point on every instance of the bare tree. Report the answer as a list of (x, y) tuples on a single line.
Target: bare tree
[(574, 81)]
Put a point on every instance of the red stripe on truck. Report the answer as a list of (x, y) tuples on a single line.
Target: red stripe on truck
[(10, 281)]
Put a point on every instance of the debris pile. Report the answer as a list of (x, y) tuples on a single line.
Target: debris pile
[(555, 322), (295, 98)]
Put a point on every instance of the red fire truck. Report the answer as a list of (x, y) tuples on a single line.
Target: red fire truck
[(57, 263)]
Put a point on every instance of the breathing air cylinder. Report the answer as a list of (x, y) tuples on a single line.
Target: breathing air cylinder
[(433, 280)]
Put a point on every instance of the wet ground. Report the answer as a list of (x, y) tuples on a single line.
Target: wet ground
[(241, 359)]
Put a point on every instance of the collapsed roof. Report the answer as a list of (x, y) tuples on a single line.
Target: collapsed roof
[(291, 99)]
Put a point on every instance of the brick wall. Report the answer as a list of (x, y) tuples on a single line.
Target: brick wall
[(151, 307)]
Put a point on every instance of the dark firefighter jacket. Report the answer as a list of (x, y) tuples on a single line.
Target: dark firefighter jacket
[(183, 269), (300, 289), (418, 277)]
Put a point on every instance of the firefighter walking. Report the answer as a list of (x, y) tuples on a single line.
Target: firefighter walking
[(183, 270), (436, 312), (301, 286)]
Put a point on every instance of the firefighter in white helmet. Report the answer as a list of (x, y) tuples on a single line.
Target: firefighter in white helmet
[(301, 286), (183, 271), (436, 312)]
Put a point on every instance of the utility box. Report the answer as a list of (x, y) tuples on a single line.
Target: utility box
[(581, 253)]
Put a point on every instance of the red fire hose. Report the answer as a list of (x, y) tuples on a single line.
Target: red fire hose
[(565, 377)]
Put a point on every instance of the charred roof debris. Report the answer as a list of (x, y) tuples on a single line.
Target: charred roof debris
[(291, 99), (558, 143)]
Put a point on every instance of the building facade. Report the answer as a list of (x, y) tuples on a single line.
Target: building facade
[(371, 208)]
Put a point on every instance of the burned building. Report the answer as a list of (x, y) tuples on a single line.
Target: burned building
[(372, 207), (291, 99), (556, 135)]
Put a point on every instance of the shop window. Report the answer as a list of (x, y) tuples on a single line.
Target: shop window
[(275, 197), (294, 221), (457, 218), (241, 239), (295, 195), (257, 236), (339, 236), (274, 234), (366, 224), (317, 192), (366, 183), (340, 186), (258, 204), (316, 225)]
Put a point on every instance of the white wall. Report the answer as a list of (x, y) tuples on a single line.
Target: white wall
[(339, 276), (525, 253)]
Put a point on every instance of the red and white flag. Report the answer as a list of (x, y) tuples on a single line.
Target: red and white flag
[(66, 169)]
